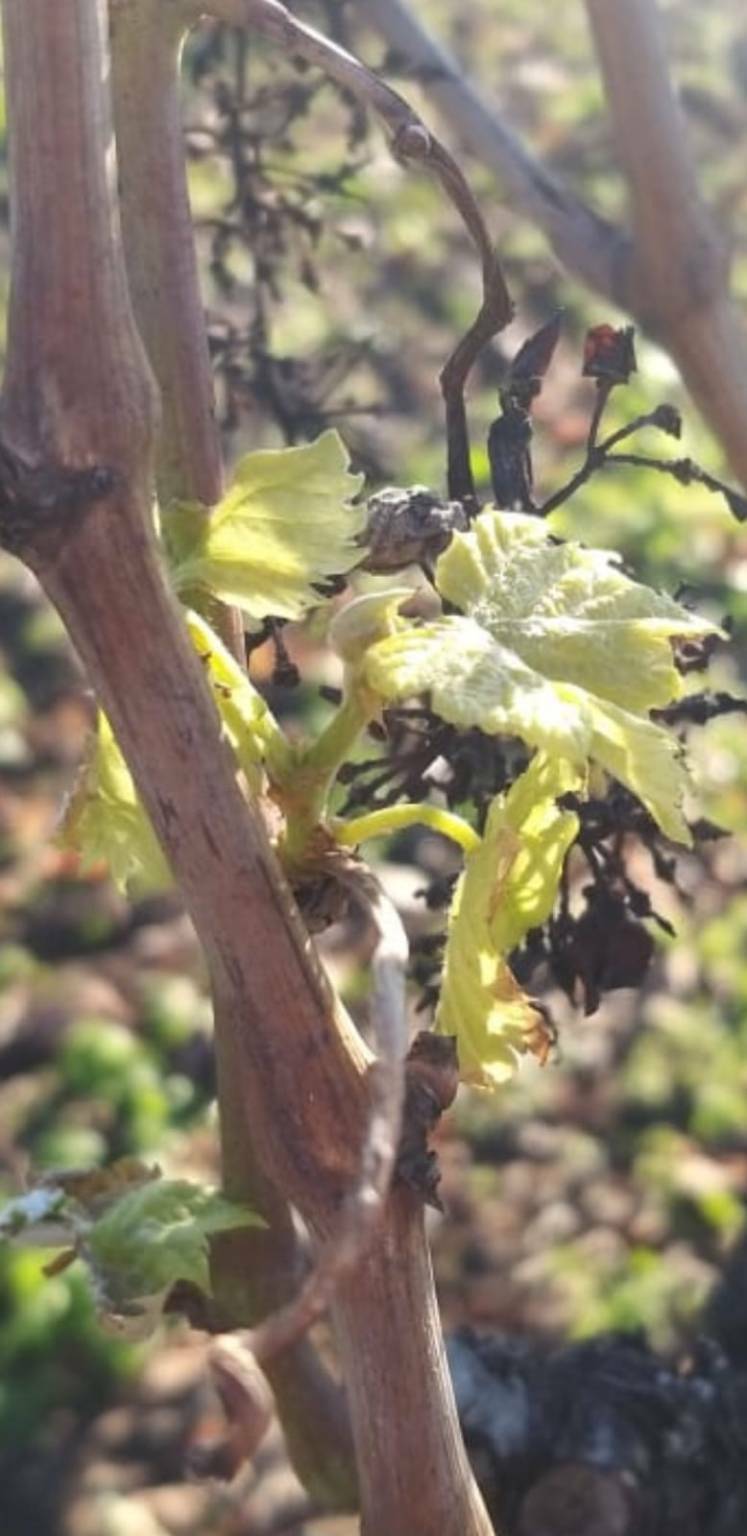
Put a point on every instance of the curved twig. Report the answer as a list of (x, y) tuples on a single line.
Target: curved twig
[(670, 273), (588, 245), (412, 141)]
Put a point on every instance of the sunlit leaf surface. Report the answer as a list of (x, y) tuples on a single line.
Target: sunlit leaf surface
[(250, 724), (554, 645), (569, 613), (508, 886), (285, 524), (107, 822)]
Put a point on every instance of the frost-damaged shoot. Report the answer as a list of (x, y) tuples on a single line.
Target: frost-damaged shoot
[(545, 646), (548, 649)]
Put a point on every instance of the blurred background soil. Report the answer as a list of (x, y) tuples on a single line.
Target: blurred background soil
[(604, 1192)]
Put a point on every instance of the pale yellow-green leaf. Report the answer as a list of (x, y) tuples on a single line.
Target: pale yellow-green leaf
[(570, 613), (542, 834), (250, 724), (107, 822), (508, 886), (285, 523), (474, 680)]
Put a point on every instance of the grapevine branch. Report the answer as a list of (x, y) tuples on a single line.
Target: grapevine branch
[(586, 244), (670, 272), (602, 455), (252, 1269), (386, 1315), (364, 1201), (411, 142), (239, 1363)]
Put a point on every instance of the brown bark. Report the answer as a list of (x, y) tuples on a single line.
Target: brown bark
[(677, 279), (412, 1468), (254, 1270), (159, 245)]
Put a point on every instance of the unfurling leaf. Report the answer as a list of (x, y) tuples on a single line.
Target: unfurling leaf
[(555, 645), (508, 887), (106, 821), (285, 524), (407, 526), (366, 619), (542, 834), (137, 1233), (156, 1234)]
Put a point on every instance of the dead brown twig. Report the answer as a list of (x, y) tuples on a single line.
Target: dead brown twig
[(412, 142), (669, 270)]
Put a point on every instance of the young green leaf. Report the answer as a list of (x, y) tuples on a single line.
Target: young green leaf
[(154, 1235), (137, 1233), (106, 821), (508, 887), (285, 524), (556, 646)]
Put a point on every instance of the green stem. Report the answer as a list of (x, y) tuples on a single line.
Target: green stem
[(306, 791), (392, 818)]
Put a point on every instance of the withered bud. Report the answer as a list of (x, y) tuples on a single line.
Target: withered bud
[(407, 525), (609, 354), (667, 418)]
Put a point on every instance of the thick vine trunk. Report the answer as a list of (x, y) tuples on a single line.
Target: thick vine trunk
[(78, 424), (412, 1468), (253, 1269)]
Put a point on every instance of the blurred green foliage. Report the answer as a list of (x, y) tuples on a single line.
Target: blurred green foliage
[(639, 1290), (103, 1089), (690, 1065), (53, 1355)]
